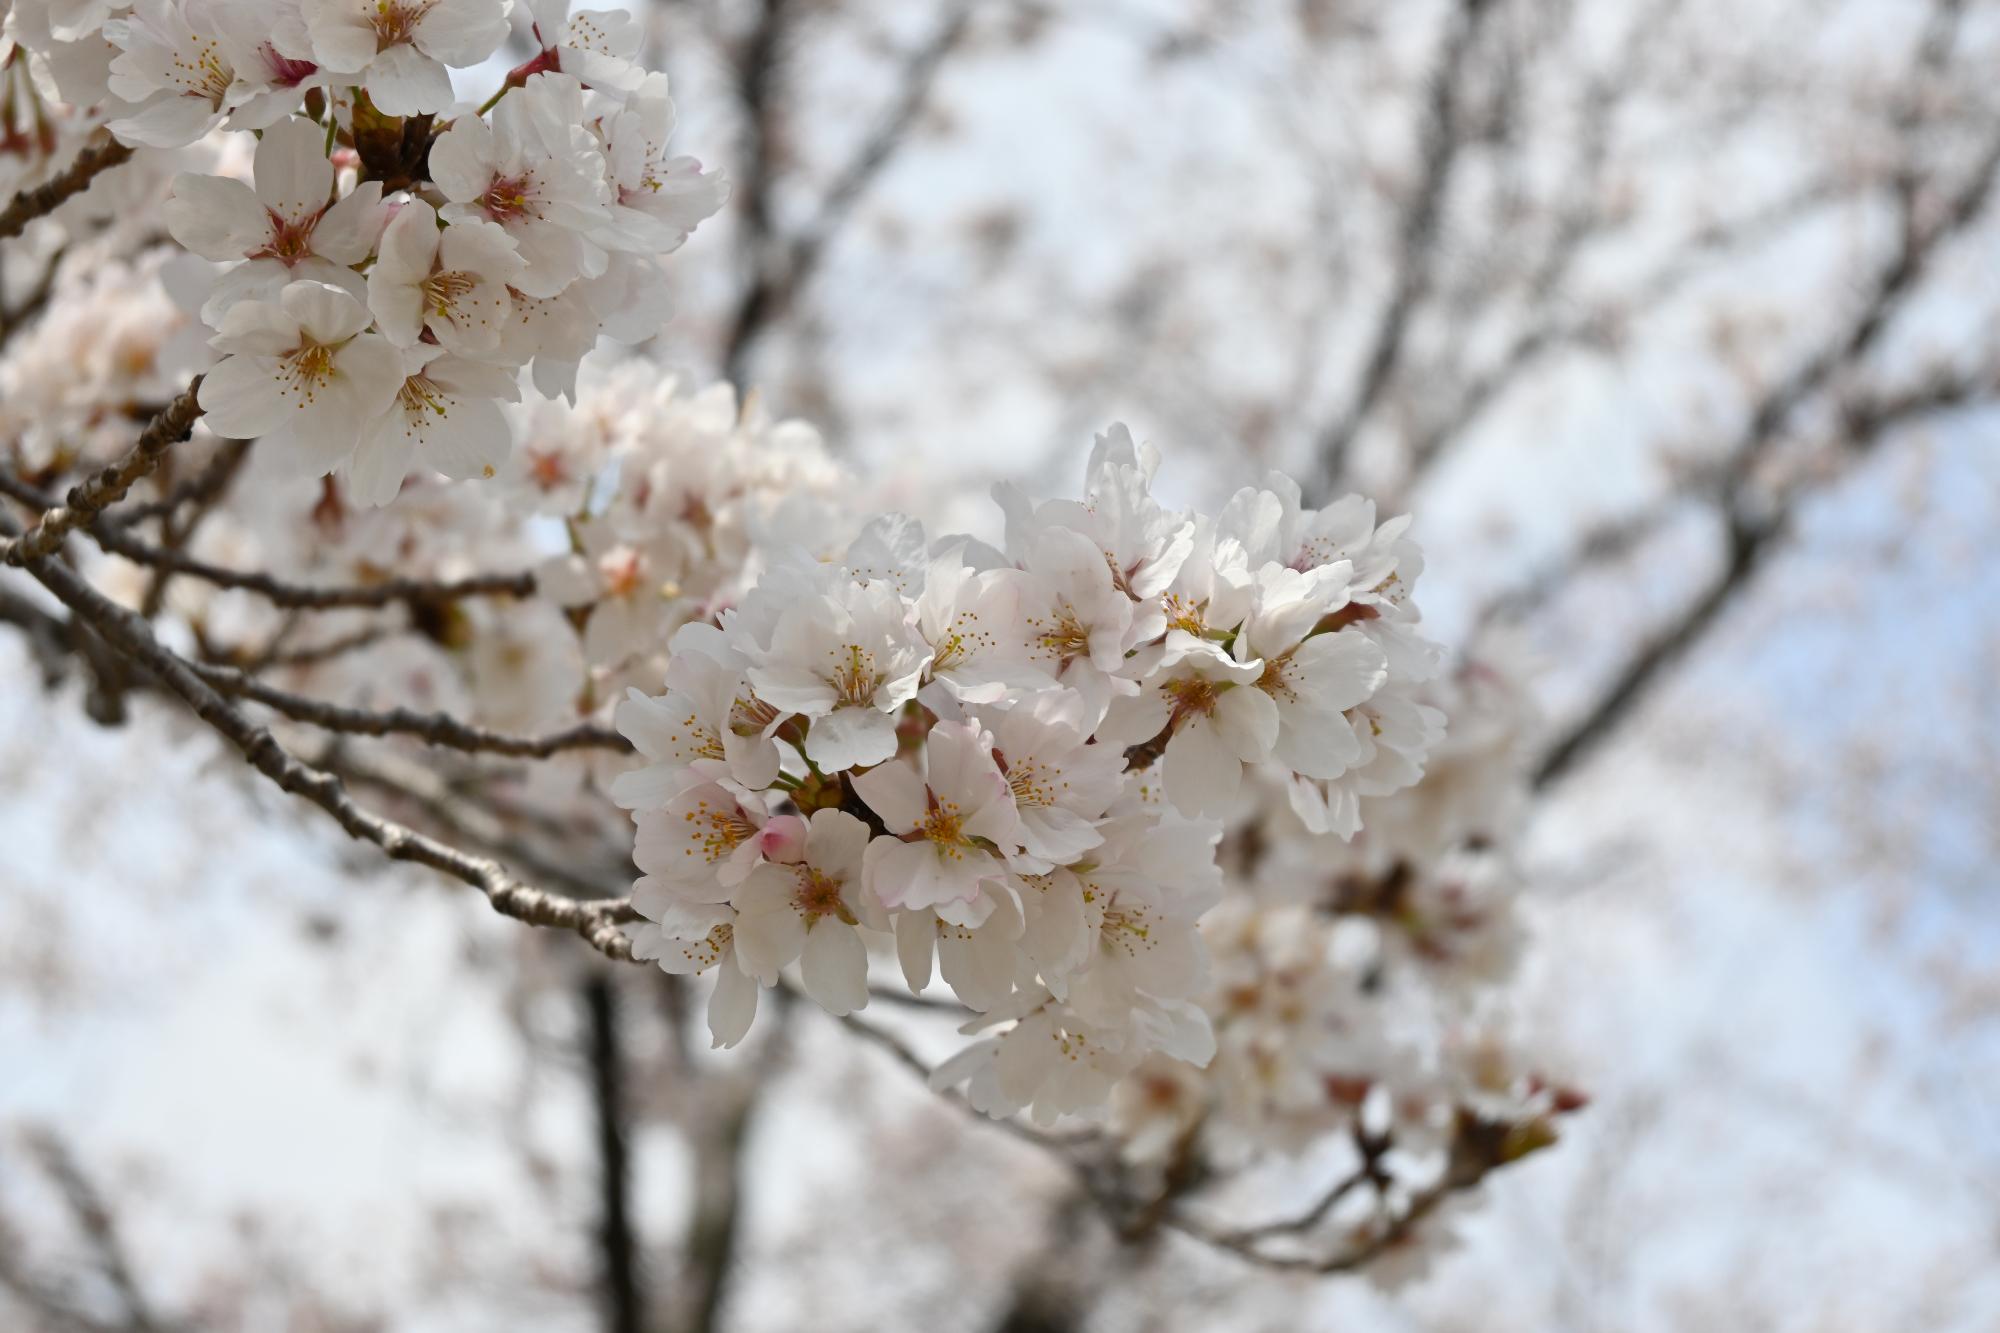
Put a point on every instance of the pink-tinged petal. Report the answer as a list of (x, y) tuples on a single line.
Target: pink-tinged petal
[(851, 738), (834, 967), (916, 942), (783, 838), (342, 38), (167, 120), (371, 371), (380, 462), (792, 689), (769, 933), (461, 160), (462, 32), (733, 1005), (1339, 670), (351, 228), (894, 791), (1247, 721), (835, 844), (1201, 770), (325, 312), (403, 81), (239, 398), (294, 179), (254, 281), (217, 218)]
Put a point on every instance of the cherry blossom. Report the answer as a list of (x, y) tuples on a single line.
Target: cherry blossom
[(288, 228), (398, 49), (807, 908), (445, 418), (950, 823), (536, 173), (302, 373), (450, 282), (597, 46)]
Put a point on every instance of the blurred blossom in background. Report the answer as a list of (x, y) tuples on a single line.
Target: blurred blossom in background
[(1676, 323)]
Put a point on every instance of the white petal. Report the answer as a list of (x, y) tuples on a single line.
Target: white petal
[(215, 217), (851, 738), (834, 967), (351, 228), (732, 1007), (1201, 770), (239, 399), (403, 81), (294, 179), (916, 941)]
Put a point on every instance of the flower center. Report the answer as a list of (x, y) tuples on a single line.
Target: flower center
[(308, 367), (854, 676), (1064, 636), (620, 568), (750, 716), (1186, 615), (943, 825), (707, 745), (960, 642), (290, 239), (1126, 930), (1030, 785), (395, 20), (202, 72), (1277, 678), (1190, 695), (509, 198), (715, 832), (549, 470), (443, 291), (817, 896), (707, 952), (419, 394)]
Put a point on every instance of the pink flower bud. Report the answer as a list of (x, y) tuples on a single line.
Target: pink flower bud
[(783, 838)]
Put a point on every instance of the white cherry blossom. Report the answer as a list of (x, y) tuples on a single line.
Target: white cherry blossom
[(847, 659), (302, 373), (707, 722), (446, 418), (1061, 783), (656, 200), (288, 228), (598, 46), (950, 823), (398, 49), (536, 172), (688, 939), (807, 908), (708, 838), (1214, 718), (451, 282)]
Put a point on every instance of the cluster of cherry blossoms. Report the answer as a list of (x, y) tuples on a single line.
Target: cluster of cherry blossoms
[(1165, 798), (397, 258), (1014, 763), (1358, 986)]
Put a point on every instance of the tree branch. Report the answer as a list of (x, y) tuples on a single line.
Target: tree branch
[(440, 729), (51, 194), (624, 1312), (1437, 150), (86, 500), (597, 922), (776, 283)]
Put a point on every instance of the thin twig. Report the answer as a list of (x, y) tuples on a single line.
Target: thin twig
[(434, 728), (50, 194), (597, 922), (86, 500)]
